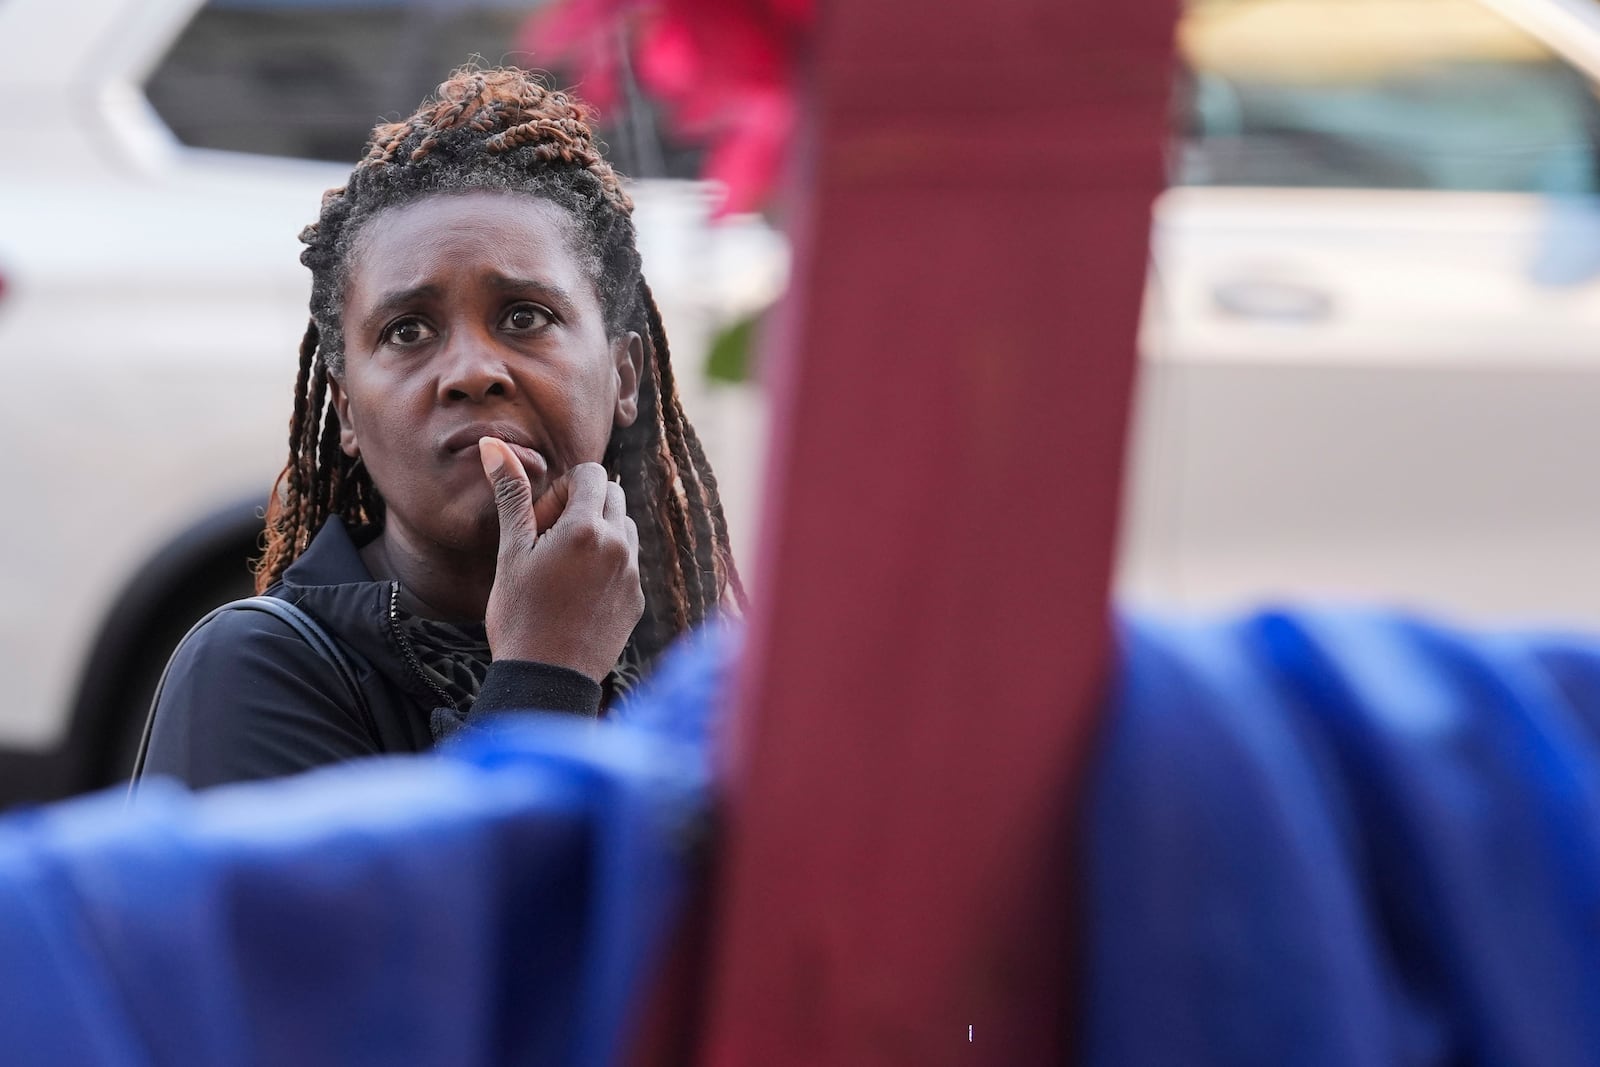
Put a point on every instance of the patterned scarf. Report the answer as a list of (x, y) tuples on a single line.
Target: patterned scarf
[(455, 656)]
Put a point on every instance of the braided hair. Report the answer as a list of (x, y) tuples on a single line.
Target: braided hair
[(501, 129)]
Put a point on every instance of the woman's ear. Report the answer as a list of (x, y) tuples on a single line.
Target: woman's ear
[(628, 355), (347, 425)]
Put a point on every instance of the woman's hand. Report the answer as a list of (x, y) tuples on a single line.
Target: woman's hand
[(566, 584)]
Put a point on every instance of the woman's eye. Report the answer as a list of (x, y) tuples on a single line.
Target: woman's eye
[(526, 317), (406, 332)]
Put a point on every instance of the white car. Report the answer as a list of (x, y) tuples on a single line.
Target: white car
[(152, 300), (1371, 362), (1372, 343)]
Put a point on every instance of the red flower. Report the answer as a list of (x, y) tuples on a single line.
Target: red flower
[(725, 69)]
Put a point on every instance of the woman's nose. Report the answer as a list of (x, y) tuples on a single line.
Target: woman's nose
[(474, 370)]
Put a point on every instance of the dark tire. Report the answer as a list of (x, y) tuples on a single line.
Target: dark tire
[(203, 566), (114, 754), (206, 565)]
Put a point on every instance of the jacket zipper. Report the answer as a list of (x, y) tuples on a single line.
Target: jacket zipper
[(410, 653)]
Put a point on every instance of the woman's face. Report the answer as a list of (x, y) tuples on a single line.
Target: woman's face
[(467, 315)]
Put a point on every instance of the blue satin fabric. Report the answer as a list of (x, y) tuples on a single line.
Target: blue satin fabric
[(494, 906), (1312, 837), (1345, 838)]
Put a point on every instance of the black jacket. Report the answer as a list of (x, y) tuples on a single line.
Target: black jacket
[(246, 697)]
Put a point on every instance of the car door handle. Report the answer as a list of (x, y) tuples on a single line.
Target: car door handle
[(1272, 301)]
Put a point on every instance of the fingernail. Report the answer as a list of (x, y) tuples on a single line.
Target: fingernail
[(493, 459)]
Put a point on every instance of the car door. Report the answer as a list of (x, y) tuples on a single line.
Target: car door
[(1372, 336)]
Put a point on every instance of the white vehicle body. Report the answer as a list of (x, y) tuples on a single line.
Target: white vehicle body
[(1353, 392), (149, 329), (1376, 394)]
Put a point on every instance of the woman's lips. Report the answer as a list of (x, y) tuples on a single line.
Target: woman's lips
[(463, 445), (467, 437), (533, 463)]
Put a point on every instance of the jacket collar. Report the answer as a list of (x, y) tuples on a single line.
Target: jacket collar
[(330, 581), (331, 558)]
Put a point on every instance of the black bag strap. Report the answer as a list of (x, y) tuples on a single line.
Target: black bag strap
[(298, 621)]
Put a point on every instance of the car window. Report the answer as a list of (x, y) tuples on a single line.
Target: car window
[(309, 78), (1386, 94)]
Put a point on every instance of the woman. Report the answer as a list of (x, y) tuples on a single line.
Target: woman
[(493, 499)]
